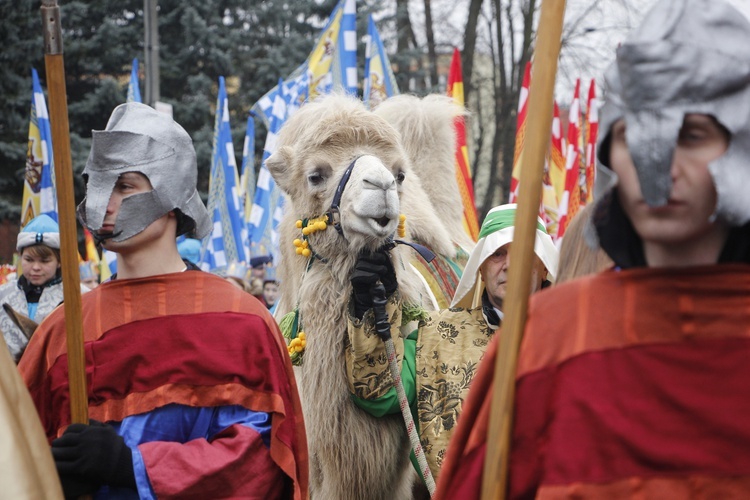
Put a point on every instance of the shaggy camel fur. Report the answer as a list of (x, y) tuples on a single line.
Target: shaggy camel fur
[(429, 138), (352, 454)]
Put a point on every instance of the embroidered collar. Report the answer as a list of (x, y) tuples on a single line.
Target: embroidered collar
[(34, 292)]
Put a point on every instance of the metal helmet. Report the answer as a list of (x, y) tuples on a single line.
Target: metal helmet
[(688, 56), (140, 139)]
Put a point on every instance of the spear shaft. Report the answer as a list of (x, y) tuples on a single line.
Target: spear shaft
[(58, 111), (546, 52)]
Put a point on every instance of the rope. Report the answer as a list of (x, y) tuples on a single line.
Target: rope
[(383, 328), (411, 428)]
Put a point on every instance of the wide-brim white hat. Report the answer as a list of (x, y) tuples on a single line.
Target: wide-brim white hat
[(498, 230)]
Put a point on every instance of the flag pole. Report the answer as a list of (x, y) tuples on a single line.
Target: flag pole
[(546, 52), (58, 112)]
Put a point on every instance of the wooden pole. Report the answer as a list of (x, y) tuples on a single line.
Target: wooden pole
[(546, 52), (58, 107), (151, 51)]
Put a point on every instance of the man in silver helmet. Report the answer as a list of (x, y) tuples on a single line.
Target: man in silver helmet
[(633, 382), (190, 387)]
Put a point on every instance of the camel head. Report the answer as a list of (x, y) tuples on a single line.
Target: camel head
[(326, 140)]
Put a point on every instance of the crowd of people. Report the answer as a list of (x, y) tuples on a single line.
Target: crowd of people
[(630, 374)]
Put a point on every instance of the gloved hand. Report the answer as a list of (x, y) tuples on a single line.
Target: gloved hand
[(370, 268), (89, 456), (75, 486)]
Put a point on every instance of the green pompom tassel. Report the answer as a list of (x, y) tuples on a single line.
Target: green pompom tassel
[(412, 312), (295, 338), (288, 325)]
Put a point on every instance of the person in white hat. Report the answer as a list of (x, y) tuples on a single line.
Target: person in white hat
[(191, 391), (441, 355), (39, 290)]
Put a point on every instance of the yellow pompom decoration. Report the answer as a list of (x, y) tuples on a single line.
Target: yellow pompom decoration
[(309, 226), (402, 226)]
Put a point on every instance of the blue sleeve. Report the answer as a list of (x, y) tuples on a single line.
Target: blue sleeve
[(226, 416), (179, 423)]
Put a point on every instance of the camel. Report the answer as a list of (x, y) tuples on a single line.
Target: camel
[(352, 454), (30, 470)]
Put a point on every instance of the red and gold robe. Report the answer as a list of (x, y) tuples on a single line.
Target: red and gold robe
[(185, 340), (629, 384)]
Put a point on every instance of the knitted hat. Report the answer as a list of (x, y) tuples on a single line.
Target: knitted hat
[(41, 230), (497, 230)]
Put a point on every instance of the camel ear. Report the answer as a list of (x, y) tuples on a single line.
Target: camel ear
[(24, 323), (279, 164)]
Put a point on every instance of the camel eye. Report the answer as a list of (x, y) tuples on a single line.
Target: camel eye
[(400, 177), (315, 179)]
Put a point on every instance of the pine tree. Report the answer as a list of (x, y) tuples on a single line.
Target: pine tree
[(21, 39)]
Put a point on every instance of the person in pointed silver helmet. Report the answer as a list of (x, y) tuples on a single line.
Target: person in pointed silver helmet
[(166, 343), (686, 68), (139, 139), (632, 382)]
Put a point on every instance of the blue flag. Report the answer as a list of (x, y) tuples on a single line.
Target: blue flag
[(247, 179), (380, 83), (107, 265), (39, 181), (268, 204), (225, 243), (267, 196), (134, 89), (331, 64)]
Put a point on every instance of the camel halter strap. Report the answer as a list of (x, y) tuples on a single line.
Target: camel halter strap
[(334, 213)]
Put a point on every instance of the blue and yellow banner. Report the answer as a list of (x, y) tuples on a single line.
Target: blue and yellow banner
[(39, 187), (331, 64), (380, 82)]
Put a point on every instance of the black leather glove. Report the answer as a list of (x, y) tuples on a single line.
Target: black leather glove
[(92, 455), (370, 268)]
